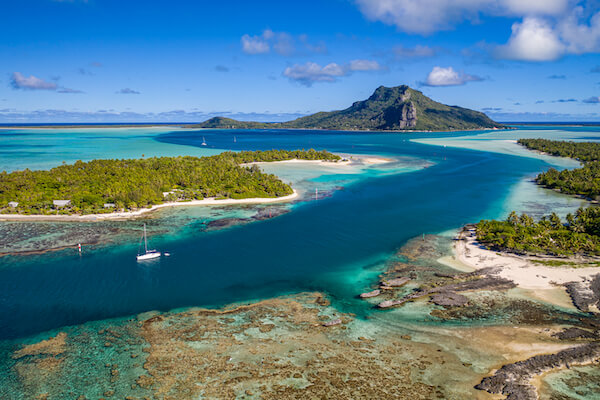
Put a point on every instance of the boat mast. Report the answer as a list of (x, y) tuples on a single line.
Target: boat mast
[(145, 240)]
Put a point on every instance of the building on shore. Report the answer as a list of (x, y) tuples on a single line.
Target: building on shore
[(61, 203)]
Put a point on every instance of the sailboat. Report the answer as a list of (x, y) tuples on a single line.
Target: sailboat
[(203, 141), (148, 254)]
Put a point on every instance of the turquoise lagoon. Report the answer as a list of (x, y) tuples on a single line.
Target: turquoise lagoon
[(338, 244)]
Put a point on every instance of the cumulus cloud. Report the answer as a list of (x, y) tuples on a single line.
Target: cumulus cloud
[(364, 65), (580, 36), (557, 77), (440, 76), (592, 100), (535, 7), (548, 29), (127, 91), (255, 44), (565, 101), (310, 72), (19, 81), (544, 39), (428, 16), (532, 40), (221, 68), (281, 43)]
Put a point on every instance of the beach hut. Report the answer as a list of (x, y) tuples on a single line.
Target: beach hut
[(13, 204), (109, 205), (61, 203)]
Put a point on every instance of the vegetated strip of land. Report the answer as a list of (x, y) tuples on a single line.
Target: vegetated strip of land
[(583, 181), (580, 233), (103, 186)]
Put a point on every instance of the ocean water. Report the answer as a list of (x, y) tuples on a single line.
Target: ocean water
[(337, 244)]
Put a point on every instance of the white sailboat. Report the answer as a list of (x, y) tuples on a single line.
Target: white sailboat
[(148, 254), (203, 141)]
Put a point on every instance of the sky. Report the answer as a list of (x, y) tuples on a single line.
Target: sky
[(187, 61)]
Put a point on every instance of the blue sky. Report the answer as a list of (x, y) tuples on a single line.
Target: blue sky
[(125, 61)]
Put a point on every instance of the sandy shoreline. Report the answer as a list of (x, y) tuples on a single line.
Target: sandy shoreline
[(351, 160), (132, 214), (518, 269)]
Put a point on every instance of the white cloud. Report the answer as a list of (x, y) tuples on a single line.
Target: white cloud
[(532, 40), (310, 72), (19, 81), (428, 16), (536, 7), (282, 43), (440, 76), (255, 44), (364, 65), (579, 36), (549, 29)]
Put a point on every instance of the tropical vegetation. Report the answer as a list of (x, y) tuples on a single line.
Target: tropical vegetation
[(106, 185), (579, 234), (583, 181)]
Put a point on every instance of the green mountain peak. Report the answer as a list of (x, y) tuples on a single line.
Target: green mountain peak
[(387, 109)]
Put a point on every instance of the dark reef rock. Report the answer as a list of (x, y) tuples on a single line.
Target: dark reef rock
[(513, 380), (449, 299), (584, 294), (483, 283), (575, 333), (372, 293), (396, 282)]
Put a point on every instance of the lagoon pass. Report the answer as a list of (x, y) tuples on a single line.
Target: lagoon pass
[(262, 300)]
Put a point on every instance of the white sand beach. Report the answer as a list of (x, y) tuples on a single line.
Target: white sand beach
[(132, 214), (348, 160), (521, 270)]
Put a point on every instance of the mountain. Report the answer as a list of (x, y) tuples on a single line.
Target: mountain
[(388, 109)]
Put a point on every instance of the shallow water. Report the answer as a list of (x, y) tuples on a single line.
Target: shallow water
[(337, 243), (328, 245)]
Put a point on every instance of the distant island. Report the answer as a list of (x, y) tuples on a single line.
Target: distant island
[(105, 186), (399, 108)]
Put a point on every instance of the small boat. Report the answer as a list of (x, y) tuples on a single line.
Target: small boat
[(234, 140), (148, 254), (203, 141)]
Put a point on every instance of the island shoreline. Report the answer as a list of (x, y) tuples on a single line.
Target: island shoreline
[(125, 215)]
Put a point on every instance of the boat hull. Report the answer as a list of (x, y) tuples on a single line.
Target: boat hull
[(148, 256)]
